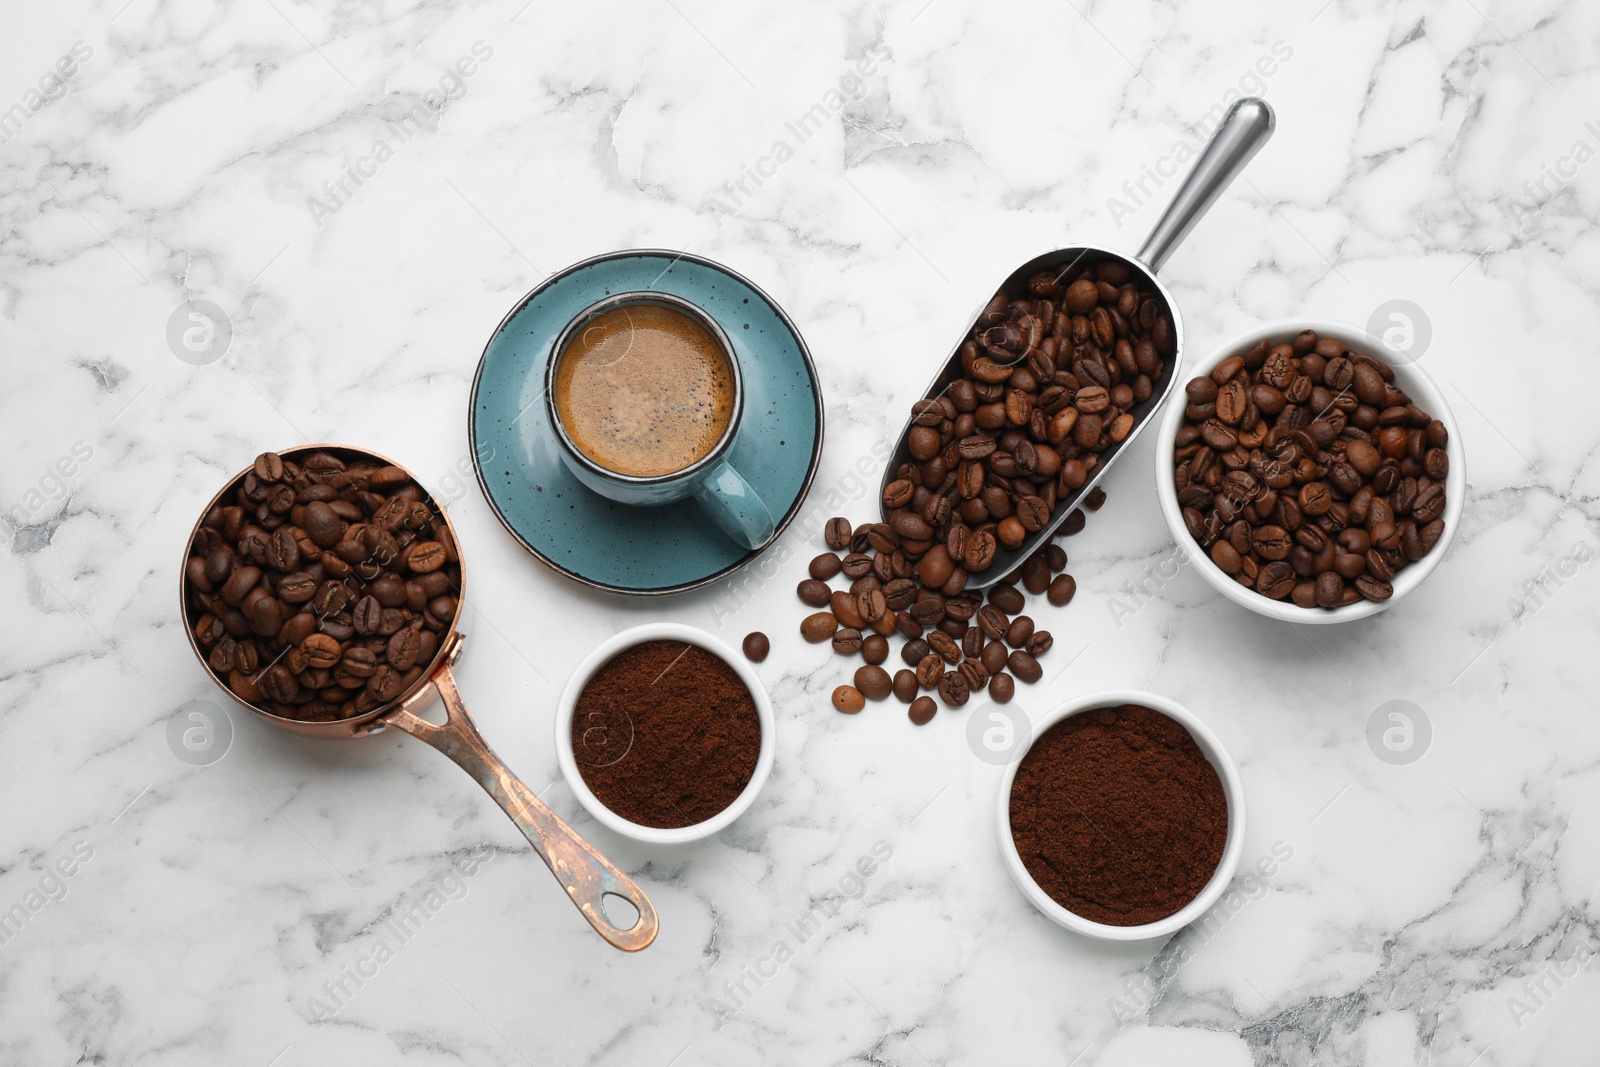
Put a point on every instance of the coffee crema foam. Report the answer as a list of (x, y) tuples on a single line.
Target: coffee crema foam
[(644, 390)]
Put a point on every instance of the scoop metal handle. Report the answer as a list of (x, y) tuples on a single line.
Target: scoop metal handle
[(1244, 129), (583, 872)]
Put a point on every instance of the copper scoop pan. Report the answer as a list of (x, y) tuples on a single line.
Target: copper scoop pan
[(583, 872)]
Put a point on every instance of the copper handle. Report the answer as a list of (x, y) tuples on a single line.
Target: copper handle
[(586, 875)]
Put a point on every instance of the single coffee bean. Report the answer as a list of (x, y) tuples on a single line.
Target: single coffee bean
[(843, 606), (945, 646), (756, 646), (1001, 688), (994, 656), (954, 690), (875, 649), (992, 621), (975, 674), (1040, 643), (1035, 574), (837, 533), (1020, 630), (929, 670), (873, 682), (871, 605), (813, 593), (847, 642), (905, 686), (922, 711), (848, 699), (819, 627), (856, 565), (403, 648), (825, 566), (321, 650), (1062, 589), (1007, 598), (1024, 667)]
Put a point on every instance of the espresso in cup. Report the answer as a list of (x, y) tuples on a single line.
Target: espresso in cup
[(644, 390), (645, 395)]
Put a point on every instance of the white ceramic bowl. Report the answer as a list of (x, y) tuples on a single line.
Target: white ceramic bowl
[(662, 631), (1408, 376), (1232, 789)]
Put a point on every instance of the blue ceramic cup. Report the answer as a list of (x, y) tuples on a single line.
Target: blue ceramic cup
[(711, 480)]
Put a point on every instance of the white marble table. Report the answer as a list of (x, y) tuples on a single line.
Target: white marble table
[(1439, 912)]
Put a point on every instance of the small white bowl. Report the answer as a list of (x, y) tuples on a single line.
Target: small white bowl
[(663, 631), (1408, 376), (1232, 789)]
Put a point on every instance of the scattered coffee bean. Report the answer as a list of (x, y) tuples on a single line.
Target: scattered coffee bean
[(875, 649), (922, 711), (1051, 378), (847, 642), (825, 566), (1008, 598), (1024, 667), (848, 699), (813, 593), (1001, 688), (819, 627), (1310, 476), (954, 690), (874, 682), (756, 646), (905, 686)]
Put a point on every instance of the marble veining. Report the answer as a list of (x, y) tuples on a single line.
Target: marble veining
[(361, 193)]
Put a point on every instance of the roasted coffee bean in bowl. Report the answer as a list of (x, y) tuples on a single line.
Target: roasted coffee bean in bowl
[(665, 734), (321, 583), (1124, 818), (1320, 478)]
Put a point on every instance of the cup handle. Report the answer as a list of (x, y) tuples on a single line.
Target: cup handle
[(583, 872), (734, 505)]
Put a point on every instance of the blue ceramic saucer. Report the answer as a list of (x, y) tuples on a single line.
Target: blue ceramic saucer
[(641, 550)]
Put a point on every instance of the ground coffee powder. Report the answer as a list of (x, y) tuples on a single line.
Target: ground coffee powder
[(1118, 816), (666, 734)]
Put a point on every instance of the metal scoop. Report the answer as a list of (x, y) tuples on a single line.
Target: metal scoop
[(1242, 132)]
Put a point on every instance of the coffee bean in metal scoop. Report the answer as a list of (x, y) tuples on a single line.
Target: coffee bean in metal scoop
[(874, 682), (848, 699), (756, 646)]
